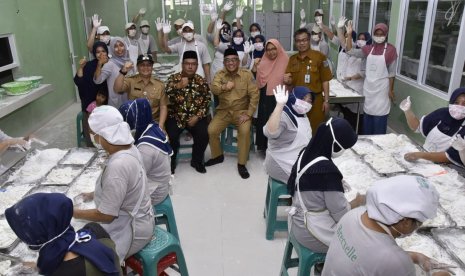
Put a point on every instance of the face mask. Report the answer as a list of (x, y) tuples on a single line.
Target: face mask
[(98, 146), (179, 32), (361, 43), (258, 46), (238, 40), (254, 34), (339, 153), (315, 38), (318, 18), (379, 39), (132, 32), (145, 30), (402, 235), (105, 38), (301, 107), (234, 29), (457, 111), (40, 246), (455, 32), (188, 36)]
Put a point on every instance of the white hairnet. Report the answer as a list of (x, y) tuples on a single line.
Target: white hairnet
[(235, 21), (108, 122), (320, 11), (179, 22), (128, 25), (405, 196), (144, 23), (316, 29), (102, 29)]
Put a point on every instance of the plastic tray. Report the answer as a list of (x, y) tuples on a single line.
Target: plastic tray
[(401, 172), (441, 236), (8, 248), (76, 150), (369, 142), (74, 167)]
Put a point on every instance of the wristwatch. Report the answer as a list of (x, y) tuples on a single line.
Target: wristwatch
[(326, 101), (122, 73)]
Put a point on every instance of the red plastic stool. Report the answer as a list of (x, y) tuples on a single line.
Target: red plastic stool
[(162, 265)]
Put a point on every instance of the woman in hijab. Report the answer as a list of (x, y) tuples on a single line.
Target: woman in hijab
[(87, 88), (288, 130), (119, 52), (242, 48), (121, 193), (440, 128), (268, 71), (221, 42), (258, 43), (42, 221), (316, 187), (153, 146), (354, 77), (254, 29), (381, 61)]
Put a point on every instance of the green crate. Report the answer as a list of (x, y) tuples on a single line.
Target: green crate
[(17, 88)]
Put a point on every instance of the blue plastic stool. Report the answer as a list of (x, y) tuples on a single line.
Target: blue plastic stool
[(161, 245), (79, 130), (165, 208), (227, 140), (274, 191), (306, 258)]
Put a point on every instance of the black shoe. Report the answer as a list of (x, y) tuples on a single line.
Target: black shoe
[(198, 166), (243, 171), (214, 161), (173, 168)]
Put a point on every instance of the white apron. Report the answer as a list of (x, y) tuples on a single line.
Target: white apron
[(144, 44), (376, 86), (123, 228), (200, 70), (133, 50), (436, 141), (285, 156), (353, 68), (320, 224), (341, 65), (217, 63), (315, 47)]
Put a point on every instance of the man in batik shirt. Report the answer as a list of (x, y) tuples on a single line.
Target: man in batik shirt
[(189, 96)]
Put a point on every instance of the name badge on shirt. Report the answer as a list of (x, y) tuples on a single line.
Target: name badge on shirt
[(307, 78)]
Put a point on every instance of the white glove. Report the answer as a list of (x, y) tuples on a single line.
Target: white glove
[(346, 186), (302, 14), (142, 11), (160, 23), (318, 20), (427, 264), (247, 47), (96, 22), (458, 143), (282, 95), (342, 22), (214, 16), (219, 24), (303, 24), (228, 6), (167, 27), (332, 20), (239, 12), (19, 143), (405, 104)]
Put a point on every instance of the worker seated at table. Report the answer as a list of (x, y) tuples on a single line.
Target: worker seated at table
[(238, 95), (153, 146), (317, 189), (441, 127), (121, 192), (42, 222), (364, 243), (143, 85), (288, 130)]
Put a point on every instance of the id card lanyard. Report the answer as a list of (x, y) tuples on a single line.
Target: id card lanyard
[(307, 76)]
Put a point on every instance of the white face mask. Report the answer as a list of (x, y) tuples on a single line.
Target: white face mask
[(105, 38), (301, 106), (254, 34), (179, 32), (188, 36), (316, 38), (132, 32), (92, 138), (238, 40), (339, 153), (457, 111), (234, 29), (379, 39), (258, 46), (145, 30), (361, 43)]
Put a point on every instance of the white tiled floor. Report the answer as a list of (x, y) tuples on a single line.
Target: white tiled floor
[(219, 215)]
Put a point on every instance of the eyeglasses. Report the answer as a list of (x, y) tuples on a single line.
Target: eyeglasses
[(188, 64), (298, 41), (271, 50), (229, 60)]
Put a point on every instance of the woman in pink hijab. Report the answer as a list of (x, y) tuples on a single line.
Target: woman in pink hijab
[(381, 66), (269, 71)]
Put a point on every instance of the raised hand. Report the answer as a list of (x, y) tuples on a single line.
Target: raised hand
[(128, 66), (342, 22), (159, 23), (405, 104), (95, 21), (214, 16), (287, 79), (219, 24), (167, 27), (239, 12), (247, 47), (142, 11), (183, 83), (332, 20), (228, 6), (302, 14), (82, 62), (281, 94)]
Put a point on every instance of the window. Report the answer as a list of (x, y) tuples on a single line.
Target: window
[(443, 43), (8, 57), (349, 9), (383, 12), (363, 24), (413, 37)]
